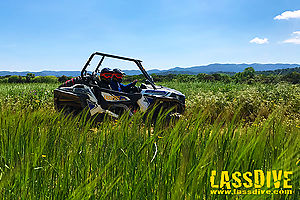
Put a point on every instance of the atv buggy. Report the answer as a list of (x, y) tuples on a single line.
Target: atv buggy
[(87, 92)]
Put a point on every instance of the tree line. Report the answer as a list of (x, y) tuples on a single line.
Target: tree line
[(31, 78), (248, 76)]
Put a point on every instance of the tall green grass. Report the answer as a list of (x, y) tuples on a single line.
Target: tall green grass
[(252, 100), (46, 155)]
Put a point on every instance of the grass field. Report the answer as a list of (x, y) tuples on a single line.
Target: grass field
[(226, 127)]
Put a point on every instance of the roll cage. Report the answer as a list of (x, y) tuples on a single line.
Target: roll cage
[(137, 62)]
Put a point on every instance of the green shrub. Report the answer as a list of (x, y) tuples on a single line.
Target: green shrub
[(45, 79)]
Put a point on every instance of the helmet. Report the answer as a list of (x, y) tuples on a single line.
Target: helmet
[(118, 75), (106, 74)]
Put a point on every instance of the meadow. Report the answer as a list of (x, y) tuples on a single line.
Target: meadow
[(226, 127)]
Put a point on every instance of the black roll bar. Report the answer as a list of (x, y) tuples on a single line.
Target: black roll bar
[(137, 62), (99, 64)]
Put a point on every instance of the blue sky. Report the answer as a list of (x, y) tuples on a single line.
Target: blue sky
[(60, 35)]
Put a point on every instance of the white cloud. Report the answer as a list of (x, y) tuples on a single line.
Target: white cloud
[(295, 39), (259, 41), (296, 33), (288, 15), (292, 41)]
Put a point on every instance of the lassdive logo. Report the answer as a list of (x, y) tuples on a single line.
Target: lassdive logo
[(256, 182), (109, 97)]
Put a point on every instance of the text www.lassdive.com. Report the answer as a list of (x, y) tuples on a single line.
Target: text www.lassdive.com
[(275, 182)]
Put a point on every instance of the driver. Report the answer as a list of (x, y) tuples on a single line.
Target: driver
[(105, 78), (117, 78)]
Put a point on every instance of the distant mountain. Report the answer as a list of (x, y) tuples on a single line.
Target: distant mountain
[(208, 69), (42, 73), (229, 68), (212, 68)]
